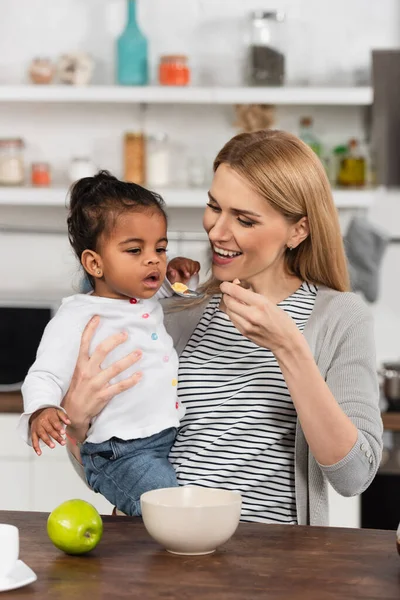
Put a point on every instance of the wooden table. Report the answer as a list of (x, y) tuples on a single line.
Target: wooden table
[(261, 561)]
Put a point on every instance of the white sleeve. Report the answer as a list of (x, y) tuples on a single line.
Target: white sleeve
[(49, 377), (165, 290)]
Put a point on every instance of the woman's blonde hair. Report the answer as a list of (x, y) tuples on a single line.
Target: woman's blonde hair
[(289, 175)]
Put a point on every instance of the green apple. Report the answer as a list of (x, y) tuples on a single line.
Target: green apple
[(75, 527)]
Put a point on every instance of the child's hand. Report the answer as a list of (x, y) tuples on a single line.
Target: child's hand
[(182, 269), (45, 424)]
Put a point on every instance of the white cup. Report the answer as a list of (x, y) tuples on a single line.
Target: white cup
[(9, 549)]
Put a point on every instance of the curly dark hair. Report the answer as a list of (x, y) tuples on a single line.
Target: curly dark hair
[(96, 202)]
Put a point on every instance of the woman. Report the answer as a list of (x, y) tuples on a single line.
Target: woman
[(278, 374)]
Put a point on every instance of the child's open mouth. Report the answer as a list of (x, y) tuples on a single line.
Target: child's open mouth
[(152, 281)]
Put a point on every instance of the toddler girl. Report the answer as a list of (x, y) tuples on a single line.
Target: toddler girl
[(118, 231)]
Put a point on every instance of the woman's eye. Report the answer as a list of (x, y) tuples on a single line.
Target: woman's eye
[(246, 223), (213, 207), (133, 250)]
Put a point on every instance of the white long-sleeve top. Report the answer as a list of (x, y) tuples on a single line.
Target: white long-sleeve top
[(148, 408)]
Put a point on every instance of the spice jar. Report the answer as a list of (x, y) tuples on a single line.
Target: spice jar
[(79, 167), (41, 71), (11, 161), (134, 157), (40, 174), (157, 160), (266, 60), (174, 70)]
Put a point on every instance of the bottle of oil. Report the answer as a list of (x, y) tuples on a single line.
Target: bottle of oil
[(352, 166)]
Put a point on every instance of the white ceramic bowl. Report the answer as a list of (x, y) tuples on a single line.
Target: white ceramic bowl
[(191, 519)]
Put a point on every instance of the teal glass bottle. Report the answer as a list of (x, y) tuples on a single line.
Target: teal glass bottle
[(132, 59)]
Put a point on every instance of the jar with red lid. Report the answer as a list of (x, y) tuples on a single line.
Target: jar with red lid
[(174, 70), (40, 174)]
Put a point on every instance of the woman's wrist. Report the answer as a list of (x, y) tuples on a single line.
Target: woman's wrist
[(294, 348), (77, 434), (80, 422)]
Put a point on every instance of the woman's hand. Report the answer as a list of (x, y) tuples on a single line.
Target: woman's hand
[(90, 390), (258, 319), (182, 269)]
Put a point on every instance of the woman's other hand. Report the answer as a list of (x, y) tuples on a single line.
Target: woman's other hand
[(258, 319), (182, 269), (90, 389)]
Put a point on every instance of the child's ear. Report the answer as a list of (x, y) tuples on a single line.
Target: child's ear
[(92, 263)]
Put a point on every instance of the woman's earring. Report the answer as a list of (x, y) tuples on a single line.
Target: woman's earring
[(98, 272), (290, 247)]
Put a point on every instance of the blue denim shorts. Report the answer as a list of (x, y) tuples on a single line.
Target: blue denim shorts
[(122, 470)]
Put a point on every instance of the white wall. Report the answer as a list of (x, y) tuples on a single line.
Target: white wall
[(327, 42)]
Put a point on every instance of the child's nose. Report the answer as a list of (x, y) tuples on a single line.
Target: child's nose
[(154, 259)]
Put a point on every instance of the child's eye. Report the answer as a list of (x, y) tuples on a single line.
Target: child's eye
[(161, 250), (133, 251)]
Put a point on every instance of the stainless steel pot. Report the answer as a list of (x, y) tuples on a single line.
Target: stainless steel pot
[(390, 374)]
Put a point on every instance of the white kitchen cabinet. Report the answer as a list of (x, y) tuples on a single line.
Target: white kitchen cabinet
[(54, 481), (15, 487), (343, 512), (11, 444)]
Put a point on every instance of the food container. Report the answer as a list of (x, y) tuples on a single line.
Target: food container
[(11, 161), (134, 158), (80, 166), (266, 58), (41, 71), (158, 161), (40, 174), (174, 70)]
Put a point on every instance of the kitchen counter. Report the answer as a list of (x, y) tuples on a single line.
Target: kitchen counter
[(11, 402), (274, 561)]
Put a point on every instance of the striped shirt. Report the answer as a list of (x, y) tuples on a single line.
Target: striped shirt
[(238, 432)]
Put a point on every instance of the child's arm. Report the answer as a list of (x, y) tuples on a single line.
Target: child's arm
[(49, 377)]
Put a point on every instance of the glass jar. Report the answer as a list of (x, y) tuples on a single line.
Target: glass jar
[(158, 160), (41, 71), (134, 158), (40, 174), (79, 167), (266, 59), (11, 161), (174, 70), (196, 171)]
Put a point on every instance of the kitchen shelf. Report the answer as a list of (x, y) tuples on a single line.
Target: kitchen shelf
[(174, 198), (351, 96)]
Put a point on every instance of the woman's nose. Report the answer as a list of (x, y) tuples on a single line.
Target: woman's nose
[(219, 231)]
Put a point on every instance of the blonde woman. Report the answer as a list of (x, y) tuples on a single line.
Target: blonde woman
[(278, 374)]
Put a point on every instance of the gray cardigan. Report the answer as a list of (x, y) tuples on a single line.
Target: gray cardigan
[(340, 335)]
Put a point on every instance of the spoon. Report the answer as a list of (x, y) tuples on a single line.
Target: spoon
[(188, 293)]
